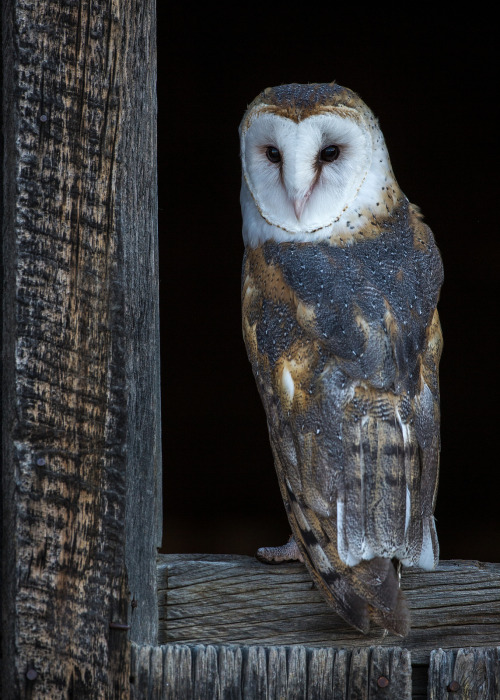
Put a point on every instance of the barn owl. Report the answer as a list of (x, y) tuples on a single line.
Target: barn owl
[(340, 284)]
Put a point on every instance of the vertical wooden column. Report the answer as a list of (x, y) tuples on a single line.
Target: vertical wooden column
[(138, 222), (81, 446)]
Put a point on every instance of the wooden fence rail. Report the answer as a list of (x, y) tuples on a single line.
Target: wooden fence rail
[(209, 672), (236, 599), (216, 672)]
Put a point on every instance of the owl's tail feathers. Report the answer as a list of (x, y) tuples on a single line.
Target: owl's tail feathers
[(338, 593), (378, 584), (396, 621), (369, 591)]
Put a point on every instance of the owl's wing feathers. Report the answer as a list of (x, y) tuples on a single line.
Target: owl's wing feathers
[(349, 341)]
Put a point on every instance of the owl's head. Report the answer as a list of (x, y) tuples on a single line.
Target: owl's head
[(314, 164)]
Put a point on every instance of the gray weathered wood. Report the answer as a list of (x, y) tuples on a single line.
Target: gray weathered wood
[(466, 674), (208, 672), (137, 222), (236, 599), (80, 438)]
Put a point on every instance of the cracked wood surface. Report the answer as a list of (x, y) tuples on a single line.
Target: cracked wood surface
[(208, 672), (212, 672), (80, 327), (468, 674), (236, 599)]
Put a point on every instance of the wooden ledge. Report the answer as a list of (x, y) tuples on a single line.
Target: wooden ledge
[(232, 599)]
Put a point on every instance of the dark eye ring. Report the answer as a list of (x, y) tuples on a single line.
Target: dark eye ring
[(273, 154), (329, 154)]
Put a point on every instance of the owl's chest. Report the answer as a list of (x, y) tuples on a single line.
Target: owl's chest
[(362, 309), (326, 290)]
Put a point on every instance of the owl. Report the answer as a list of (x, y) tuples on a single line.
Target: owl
[(340, 284)]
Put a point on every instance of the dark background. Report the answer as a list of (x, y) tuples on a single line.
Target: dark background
[(432, 80)]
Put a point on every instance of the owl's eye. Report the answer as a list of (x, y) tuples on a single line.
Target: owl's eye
[(329, 154), (273, 154)]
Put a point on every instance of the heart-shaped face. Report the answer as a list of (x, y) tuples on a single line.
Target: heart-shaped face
[(302, 175)]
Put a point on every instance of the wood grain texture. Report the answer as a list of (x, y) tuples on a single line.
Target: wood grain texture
[(73, 312), (236, 599), (137, 224), (210, 672), (466, 674)]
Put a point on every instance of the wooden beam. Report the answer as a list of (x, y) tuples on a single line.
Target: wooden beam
[(236, 599), (137, 317), (208, 672), (80, 374)]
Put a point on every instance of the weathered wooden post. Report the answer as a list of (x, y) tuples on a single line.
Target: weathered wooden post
[(81, 436)]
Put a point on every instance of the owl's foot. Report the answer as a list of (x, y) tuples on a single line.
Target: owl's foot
[(276, 555)]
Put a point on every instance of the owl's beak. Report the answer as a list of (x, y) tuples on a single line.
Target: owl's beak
[(299, 203)]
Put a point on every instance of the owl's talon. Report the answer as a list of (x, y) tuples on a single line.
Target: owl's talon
[(277, 555)]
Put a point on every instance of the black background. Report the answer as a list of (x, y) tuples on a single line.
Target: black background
[(432, 80)]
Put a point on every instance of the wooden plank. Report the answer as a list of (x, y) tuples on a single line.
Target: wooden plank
[(210, 672), (466, 674), (72, 115), (236, 599), (137, 224)]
